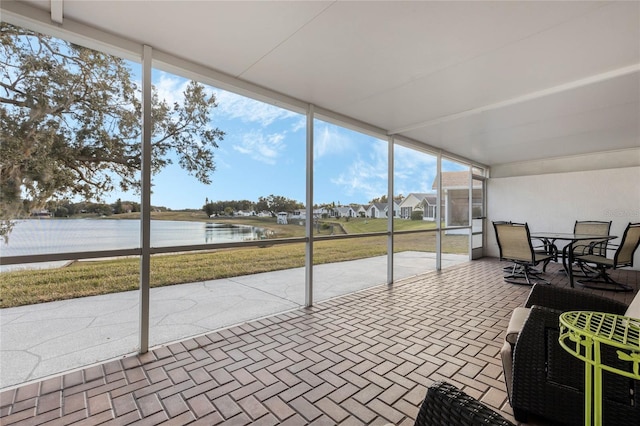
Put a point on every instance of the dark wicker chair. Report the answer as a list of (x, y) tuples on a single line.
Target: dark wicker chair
[(549, 382), (446, 405)]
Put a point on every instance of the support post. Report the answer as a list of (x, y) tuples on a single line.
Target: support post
[(439, 213), (390, 210), (309, 212), (145, 201)]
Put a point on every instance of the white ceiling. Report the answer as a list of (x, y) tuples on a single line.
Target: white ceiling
[(495, 82)]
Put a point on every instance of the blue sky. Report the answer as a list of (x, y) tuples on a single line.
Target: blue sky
[(263, 153)]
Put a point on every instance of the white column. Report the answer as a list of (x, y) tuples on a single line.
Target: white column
[(145, 200), (439, 214), (470, 212), (390, 210), (309, 207)]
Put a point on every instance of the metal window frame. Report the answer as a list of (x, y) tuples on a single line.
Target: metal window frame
[(35, 19)]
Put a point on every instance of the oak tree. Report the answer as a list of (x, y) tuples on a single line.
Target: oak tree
[(70, 124)]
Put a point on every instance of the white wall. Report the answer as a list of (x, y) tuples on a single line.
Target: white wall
[(554, 201)]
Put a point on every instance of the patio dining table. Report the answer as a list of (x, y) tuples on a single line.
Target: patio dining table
[(567, 250)]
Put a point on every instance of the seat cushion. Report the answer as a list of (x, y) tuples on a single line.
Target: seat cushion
[(518, 318), (506, 355)]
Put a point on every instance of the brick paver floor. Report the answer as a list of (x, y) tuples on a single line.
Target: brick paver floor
[(365, 358)]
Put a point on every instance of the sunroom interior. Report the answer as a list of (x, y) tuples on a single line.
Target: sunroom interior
[(538, 102)]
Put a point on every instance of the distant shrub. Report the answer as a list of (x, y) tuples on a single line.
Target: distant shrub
[(416, 215)]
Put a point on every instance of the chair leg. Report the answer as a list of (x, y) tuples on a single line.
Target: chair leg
[(586, 271), (603, 281), (520, 272), (530, 272), (515, 272)]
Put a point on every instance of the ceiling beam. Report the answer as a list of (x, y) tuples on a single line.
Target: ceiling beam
[(57, 8), (528, 97)]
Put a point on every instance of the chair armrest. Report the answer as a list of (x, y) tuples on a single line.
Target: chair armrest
[(546, 246), (543, 372), (598, 248), (566, 299), (447, 405)]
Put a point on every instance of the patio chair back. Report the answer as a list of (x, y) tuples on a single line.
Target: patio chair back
[(592, 227), (623, 257), (514, 242), (628, 245)]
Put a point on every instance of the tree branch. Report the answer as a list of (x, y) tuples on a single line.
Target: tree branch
[(13, 102)]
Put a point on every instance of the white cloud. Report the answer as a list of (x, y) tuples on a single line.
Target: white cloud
[(366, 176), (410, 159), (235, 106), (413, 171), (230, 105), (170, 87), (300, 124), (261, 147), (329, 140), (363, 179)]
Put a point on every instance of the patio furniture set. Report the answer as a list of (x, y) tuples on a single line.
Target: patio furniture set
[(545, 379), (584, 255), (569, 357)]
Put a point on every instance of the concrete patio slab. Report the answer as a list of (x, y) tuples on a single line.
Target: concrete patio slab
[(39, 340), (364, 358)]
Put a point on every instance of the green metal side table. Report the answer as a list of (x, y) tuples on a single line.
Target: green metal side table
[(583, 334)]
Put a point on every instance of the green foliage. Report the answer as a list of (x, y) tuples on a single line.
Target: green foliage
[(277, 203), (383, 199), (117, 208), (70, 123), (417, 215), (208, 209), (227, 207), (61, 212)]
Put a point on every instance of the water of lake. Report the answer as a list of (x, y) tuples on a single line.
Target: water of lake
[(41, 236)]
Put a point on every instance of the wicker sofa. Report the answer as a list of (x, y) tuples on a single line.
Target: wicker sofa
[(446, 405), (544, 380)]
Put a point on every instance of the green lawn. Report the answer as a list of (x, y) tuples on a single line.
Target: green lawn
[(88, 278)]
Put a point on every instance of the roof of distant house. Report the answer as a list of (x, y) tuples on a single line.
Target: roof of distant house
[(453, 180)]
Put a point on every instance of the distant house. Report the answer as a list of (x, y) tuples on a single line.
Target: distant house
[(430, 207), (362, 210), (377, 210), (245, 213), (343, 211), (416, 201), (321, 213), (41, 213), (300, 214), (264, 213), (396, 209)]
